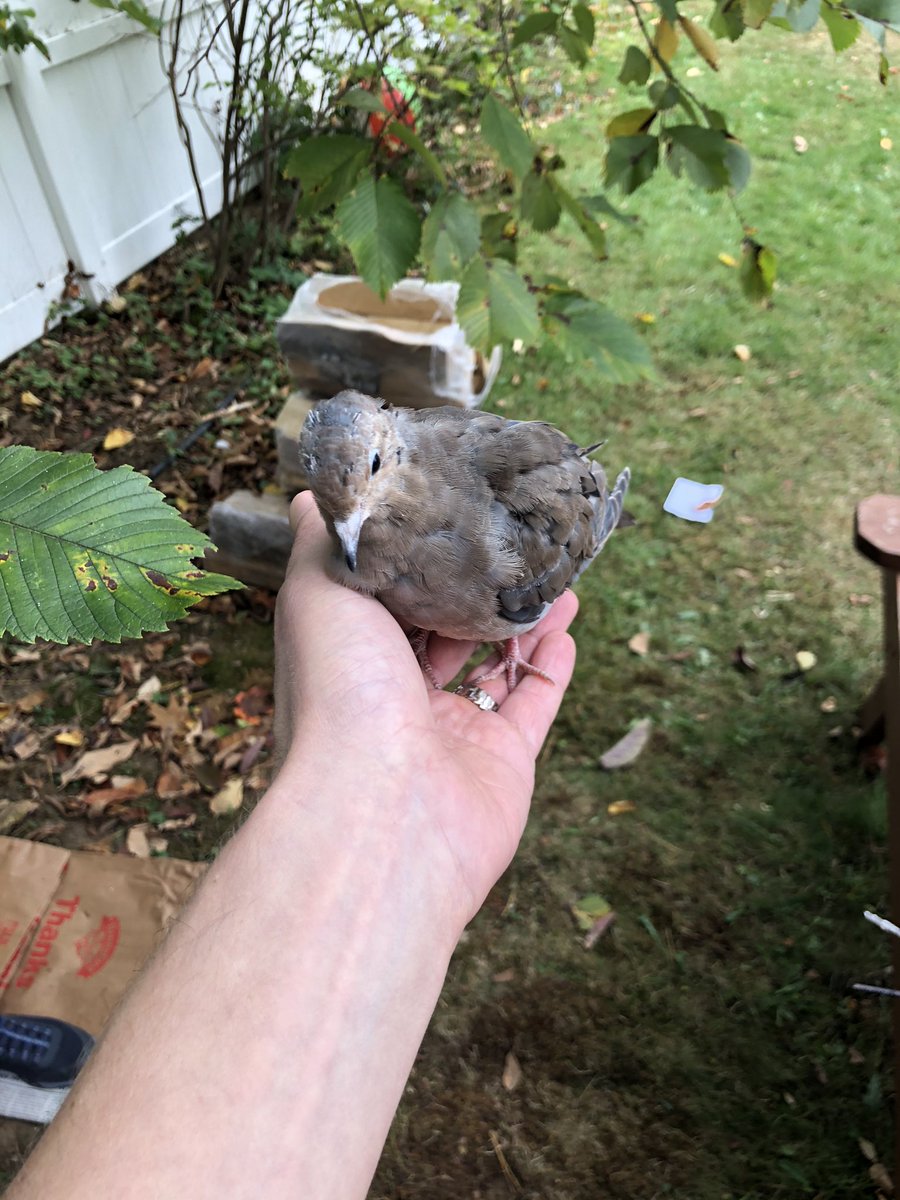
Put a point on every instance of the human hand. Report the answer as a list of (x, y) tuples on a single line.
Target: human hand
[(350, 697)]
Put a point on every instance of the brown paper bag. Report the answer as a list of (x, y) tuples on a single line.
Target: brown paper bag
[(76, 927)]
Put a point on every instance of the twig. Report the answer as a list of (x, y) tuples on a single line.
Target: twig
[(879, 991), (504, 1165), (883, 925)]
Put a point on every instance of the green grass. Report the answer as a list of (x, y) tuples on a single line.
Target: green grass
[(709, 1047)]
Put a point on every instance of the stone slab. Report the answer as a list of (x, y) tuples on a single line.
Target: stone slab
[(252, 528)]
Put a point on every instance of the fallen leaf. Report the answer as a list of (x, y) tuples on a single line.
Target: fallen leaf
[(801, 145), (149, 688), (253, 704), (177, 823), (116, 438), (27, 746), (806, 660), (229, 799), (886, 143), (12, 812), (201, 369), (69, 737), (512, 1072), (96, 764), (116, 303), (868, 1150), (742, 661), (172, 783), (158, 845), (172, 718), (742, 352), (30, 701), (618, 807), (628, 748), (506, 976), (646, 318), (137, 842), (728, 260), (123, 789), (860, 600), (697, 412), (597, 930), (640, 643), (30, 400), (855, 1057), (828, 705), (5, 710), (589, 909)]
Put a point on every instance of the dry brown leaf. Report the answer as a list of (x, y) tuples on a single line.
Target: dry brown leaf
[(14, 811), (506, 976), (96, 764), (158, 845), (175, 823), (639, 643), (123, 788), (172, 718), (30, 400), (137, 842), (172, 783), (229, 799), (30, 701), (148, 689), (628, 748), (828, 705), (27, 746), (868, 1150), (116, 438), (880, 1176), (512, 1072)]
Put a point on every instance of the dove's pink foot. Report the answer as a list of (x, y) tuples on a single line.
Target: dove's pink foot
[(511, 663), (418, 639)]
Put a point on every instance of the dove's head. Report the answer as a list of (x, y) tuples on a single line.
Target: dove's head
[(348, 448)]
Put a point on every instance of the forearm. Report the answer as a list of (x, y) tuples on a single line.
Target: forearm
[(277, 1024)]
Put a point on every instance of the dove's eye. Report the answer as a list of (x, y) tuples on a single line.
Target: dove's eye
[(376, 462)]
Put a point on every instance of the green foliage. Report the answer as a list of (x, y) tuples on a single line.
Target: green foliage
[(87, 554), (583, 330), (327, 167), (451, 236), (382, 229), (503, 132), (16, 33), (495, 304)]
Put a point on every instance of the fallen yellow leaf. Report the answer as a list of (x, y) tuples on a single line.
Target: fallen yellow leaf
[(647, 318), (742, 352), (116, 438), (727, 260), (806, 660), (30, 400), (181, 504), (69, 737), (620, 806), (886, 143)]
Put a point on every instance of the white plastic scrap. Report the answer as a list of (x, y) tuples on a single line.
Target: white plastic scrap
[(693, 501)]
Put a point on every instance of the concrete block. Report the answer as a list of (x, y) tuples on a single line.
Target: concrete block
[(252, 532), (289, 475)]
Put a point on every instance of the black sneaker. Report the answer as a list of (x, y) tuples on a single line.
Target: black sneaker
[(42, 1051)]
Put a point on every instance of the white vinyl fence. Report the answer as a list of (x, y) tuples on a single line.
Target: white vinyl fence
[(93, 176)]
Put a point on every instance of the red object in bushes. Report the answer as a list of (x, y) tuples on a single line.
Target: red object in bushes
[(398, 106)]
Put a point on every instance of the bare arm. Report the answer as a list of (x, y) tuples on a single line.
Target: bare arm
[(264, 1050)]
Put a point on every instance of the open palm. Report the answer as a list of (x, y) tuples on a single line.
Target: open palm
[(348, 685)]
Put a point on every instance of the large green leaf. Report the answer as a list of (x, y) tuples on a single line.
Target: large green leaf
[(630, 161), (573, 45), (843, 29), (581, 215), (759, 267), (539, 202), (328, 167), (884, 11), (410, 138), (88, 554), (451, 236), (503, 131), (534, 26), (711, 158), (584, 23), (500, 236), (636, 67), (581, 329), (495, 304), (382, 229)]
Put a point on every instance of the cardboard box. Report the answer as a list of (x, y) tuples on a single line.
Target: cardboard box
[(76, 927), (408, 348)]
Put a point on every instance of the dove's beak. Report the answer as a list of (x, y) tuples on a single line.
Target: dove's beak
[(348, 532)]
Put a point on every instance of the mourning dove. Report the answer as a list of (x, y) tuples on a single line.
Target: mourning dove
[(459, 522)]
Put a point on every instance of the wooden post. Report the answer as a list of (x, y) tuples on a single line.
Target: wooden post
[(878, 538)]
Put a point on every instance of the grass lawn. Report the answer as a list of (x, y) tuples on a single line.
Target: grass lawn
[(709, 1047)]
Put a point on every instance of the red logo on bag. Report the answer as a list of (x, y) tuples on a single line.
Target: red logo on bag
[(39, 953), (96, 948)]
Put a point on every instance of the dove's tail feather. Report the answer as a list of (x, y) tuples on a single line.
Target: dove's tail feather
[(612, 510)]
